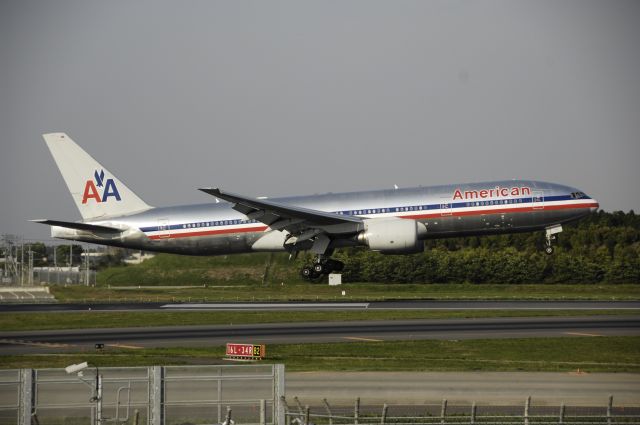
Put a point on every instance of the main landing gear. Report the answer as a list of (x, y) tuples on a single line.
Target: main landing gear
[(320, 267), (551, 236)]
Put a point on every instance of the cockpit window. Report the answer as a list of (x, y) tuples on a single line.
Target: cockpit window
[(578, 195)]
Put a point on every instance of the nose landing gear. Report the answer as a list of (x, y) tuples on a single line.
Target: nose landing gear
[(551, 236), (320, 267)]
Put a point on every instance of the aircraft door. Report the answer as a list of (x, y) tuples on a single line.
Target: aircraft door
[(163, 226), (445, 207), (537, 199), (506, 220)]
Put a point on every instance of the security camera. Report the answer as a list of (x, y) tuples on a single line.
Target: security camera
[(76, 367)]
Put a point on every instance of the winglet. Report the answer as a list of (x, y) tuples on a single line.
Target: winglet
[(214, 191)]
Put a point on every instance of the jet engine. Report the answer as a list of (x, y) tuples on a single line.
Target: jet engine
[(393, 235)]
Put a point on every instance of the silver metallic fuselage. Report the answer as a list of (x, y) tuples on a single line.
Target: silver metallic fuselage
[(445, 211)]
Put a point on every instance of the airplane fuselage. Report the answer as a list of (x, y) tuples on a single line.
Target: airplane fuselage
[(497, 207)]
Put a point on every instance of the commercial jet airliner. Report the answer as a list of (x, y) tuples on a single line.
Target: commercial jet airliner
[(391, 221)]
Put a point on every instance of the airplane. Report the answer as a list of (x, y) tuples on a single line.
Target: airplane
[(390, 221)]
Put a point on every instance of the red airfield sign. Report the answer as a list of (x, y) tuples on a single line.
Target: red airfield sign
[(245, 351)]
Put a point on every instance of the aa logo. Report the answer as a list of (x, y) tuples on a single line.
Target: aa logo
[(108, 189)]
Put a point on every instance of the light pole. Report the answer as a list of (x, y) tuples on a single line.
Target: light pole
[(97, 398), (86, 263)]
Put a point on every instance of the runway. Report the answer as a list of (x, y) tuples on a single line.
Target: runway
[(289, 333), (328, 306)]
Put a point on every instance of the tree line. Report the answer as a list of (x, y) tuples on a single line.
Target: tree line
[(602, 248)]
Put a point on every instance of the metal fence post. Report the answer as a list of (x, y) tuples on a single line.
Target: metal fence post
[(356, 411), (287, 410), (609, 409), (219, 396), (326, 404), (156, 395), (227, 419), (443, 411), (385, 408), (278, 395), (300, 408), (98, 397), (473, 413), (527, 403), (27, 394)]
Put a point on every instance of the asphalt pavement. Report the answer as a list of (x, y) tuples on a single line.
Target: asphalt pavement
[(487, 388), (21, 342), (313, 306)]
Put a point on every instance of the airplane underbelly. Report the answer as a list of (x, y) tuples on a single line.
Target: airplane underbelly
[(205, 245), (499, 222)]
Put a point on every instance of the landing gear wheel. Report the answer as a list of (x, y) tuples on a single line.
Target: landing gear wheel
[(321, 266), (548, 250), (307, 273)]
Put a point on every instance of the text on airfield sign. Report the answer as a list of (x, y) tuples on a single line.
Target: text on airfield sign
[(246, 351)]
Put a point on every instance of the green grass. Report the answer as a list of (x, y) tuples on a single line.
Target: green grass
[(239, 291), (622, 354), (527, 354), (168, 269), (100, 319)]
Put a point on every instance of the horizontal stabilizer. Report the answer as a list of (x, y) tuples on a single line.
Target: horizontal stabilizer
[(79, 226)]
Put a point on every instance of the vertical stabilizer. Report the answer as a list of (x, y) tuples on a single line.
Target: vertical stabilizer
[(96, 192)]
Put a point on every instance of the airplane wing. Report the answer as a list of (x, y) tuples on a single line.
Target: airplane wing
[(302, 223)]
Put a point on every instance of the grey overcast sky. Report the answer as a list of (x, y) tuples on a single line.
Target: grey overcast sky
[(281, 98)]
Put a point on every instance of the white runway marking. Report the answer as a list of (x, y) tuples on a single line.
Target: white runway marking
[(251, 306), (34, 343), (581, 334), (133, 347), (357, 338)]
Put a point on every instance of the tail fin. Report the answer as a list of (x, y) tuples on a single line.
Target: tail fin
[(96, 192)]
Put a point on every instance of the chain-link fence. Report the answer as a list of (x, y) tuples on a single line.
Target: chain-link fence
[(172, 395), (10, 390), (62, 276), (243, 395)]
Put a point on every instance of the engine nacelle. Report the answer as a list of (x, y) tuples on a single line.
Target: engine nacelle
[(393, 235)]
